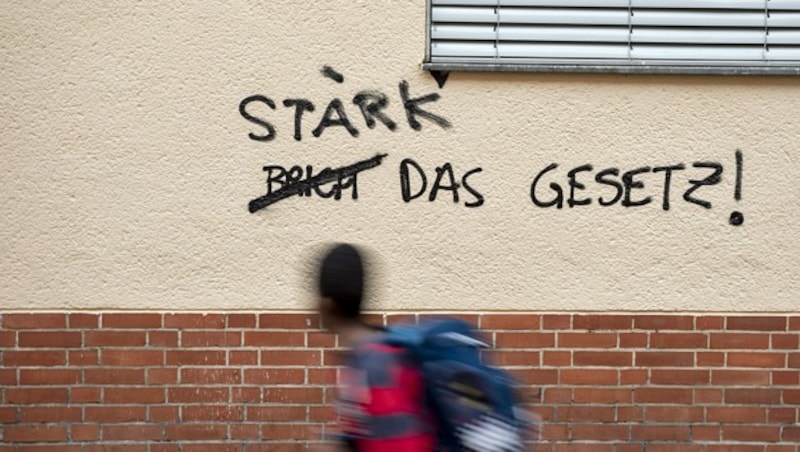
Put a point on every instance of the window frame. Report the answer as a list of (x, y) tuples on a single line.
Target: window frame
[(700, 67)]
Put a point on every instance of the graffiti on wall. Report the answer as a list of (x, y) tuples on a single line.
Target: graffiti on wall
[(550, 187)]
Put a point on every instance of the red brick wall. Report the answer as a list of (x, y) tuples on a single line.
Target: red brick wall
[(169, 382)]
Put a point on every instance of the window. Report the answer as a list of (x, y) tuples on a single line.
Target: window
[(659, 36)]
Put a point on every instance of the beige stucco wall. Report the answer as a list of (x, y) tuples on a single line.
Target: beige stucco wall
[(127, 168)]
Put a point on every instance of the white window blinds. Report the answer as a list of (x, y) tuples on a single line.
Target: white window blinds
[(744, 33)]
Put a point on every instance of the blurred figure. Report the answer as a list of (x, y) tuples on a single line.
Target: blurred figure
[(382, 398)]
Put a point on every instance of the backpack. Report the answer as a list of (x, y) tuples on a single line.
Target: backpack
[(475, 404)]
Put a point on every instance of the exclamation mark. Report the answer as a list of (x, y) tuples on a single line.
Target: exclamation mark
[(737, 218)]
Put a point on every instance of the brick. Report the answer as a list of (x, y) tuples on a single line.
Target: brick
[(679, 377), (786, 378), (753, 396), (85, 395), (633, 376), (84, 432), (164, 413), (662, 395), (49, 414), (557, 395), (556, 322), (8, 339), (49, 339), (274, 338), (602, 322), (791, 434), (242, 321), (49, 377), (133, 432), (134, 395), (45, 448), (245, 431), (291, 358), (576, 413), (764, 359), (194, 321), (36, 396), (131, 357), (510, 321), (663, 322), (782, 416), (736, 414), (83, 320), (34, 433), (318, 376), (36, 321), (630, 414), (588, 377), (162, 376), (196, 432), (757, 323), (162, 338), (514, 357), (706, 432), (525, 340), (794, 323), (114, 376), (664, 359), (724, 377), (104, 338), (601, 432), (195, 357), (678, 340), (709, 323), (242, 358), (751, 433), (8, 377), (8, 415), (211, 376), (661, 432), (708, 396), (199, 394), (246, 394), (131, 321), (710, 359), (791, 396), (587, 340), (633, 340), (212, 339), (604, 358), (734, 341), (116, 414), (111, 447), (785, 341), (556, 358), (289, 321), (220, 413), (794, 360), (82, 358), (317, 339), (325, 414), (273, 376), (674, 414), (214, 447), (290, 432), (29, 358), (609, 396), (292, 395), (270, 414)]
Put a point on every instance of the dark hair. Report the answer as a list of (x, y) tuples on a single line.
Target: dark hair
[(341, 278)]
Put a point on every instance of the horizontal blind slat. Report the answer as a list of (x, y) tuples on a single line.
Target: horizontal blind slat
[(697, 19), (699, 4), (539, 3), (784, 19), (780, 53), (516, 50), (696, 36), (699, 53), (580, 16), (470, 15)]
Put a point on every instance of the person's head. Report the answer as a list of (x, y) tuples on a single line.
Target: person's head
[(341, 285)]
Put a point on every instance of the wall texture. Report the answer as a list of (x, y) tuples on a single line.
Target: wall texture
[(171, 169), (250, 382), (135, 139)]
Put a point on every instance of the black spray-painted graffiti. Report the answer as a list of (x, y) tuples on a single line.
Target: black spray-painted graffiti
[(372, 105), (283, 183), (583, 185), (627, 188)]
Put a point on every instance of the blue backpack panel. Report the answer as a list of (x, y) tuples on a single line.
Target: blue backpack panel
[(475, 404)]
